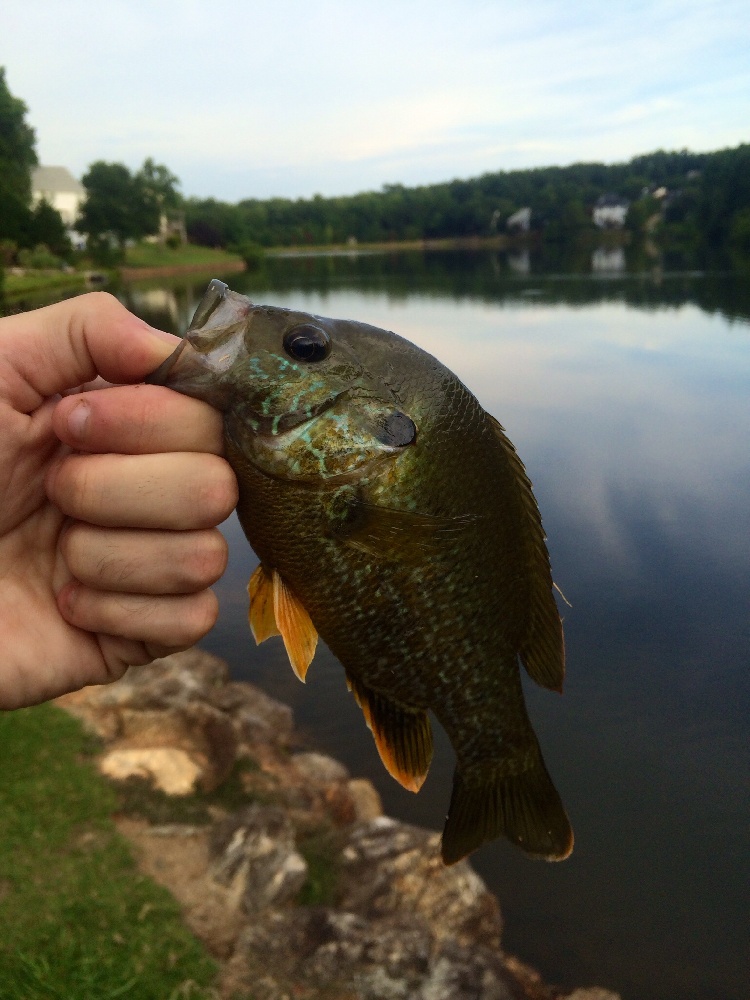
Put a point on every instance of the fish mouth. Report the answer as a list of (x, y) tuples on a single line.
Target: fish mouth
[(211, 345)]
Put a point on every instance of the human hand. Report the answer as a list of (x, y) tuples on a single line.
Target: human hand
[(109, 502)]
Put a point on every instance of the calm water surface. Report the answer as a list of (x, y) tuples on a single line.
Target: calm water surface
[(628, 399)]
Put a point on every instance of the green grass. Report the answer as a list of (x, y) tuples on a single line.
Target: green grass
[(153, 255), (321, 849), (77, 920), (18, 285)]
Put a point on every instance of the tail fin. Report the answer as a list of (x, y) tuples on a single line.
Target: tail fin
[(525, 808)]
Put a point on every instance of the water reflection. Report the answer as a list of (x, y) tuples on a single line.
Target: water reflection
[(606, 260), (519, 263), (628, 400)]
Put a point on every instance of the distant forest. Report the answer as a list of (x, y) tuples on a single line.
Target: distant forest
[(706, 203)]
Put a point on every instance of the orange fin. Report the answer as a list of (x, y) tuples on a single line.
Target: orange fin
[(295, 626), (403, 736), (260, 615)]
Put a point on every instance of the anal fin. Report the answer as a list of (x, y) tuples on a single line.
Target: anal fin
[(403, 736), (295, 626), (260, 614)]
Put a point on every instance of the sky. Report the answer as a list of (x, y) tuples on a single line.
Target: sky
[(297, 97)]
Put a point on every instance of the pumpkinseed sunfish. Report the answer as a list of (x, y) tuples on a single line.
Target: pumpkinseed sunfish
[(393, 517)]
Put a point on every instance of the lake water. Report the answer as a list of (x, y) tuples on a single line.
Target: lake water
[(628, 398)]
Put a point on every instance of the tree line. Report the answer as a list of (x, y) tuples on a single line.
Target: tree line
[(707, 201), (693, 199)]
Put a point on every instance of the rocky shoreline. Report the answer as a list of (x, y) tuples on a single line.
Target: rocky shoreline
[(302, 888)]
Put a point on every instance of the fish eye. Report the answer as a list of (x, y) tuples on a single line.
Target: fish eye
[(307, 343)]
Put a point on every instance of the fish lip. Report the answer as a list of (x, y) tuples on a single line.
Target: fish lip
[(191, 373), (213, 341), (160, 375)]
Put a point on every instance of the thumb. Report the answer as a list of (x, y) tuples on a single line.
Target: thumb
[(49, 350)]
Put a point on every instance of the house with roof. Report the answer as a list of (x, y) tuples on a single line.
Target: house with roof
[(59, 188), (609, 211), (520, 221)]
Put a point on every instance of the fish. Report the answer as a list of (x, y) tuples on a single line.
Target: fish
[(393, 518)]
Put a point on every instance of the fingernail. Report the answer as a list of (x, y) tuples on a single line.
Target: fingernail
[(78, 419)]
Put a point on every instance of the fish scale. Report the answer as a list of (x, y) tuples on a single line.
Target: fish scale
[(391, 516)]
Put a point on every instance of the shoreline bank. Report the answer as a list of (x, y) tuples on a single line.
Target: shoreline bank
[(298, 884)]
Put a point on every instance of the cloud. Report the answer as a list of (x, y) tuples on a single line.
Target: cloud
[(292, 98)]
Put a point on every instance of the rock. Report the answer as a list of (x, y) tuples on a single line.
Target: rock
[(458, 973), (254, 852), (394, 958), (258, 719), (366, 801), (199, 731), (184, 681), (380, 961), (168, 768), (592, 993), (169, 682), (392, 868), (404, 927), (319, 769)]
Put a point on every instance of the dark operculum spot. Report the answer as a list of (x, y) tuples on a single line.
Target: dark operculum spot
[(397, 430), (307, 343)]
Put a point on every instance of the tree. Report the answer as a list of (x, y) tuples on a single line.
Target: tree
[(111, 206), (17, 157), (158, 194), (124, 206), (48, 228)]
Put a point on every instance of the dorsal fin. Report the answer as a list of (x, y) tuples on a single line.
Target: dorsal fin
[(542, 650), (295, 625), (260, 613), (403, 736)]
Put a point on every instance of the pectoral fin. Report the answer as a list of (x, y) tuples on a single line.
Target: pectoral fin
[(403, 736), (385, 531), (297, 630), (260, 614)]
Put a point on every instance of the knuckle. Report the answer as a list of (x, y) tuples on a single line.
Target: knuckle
[(104, 300), (71, 545), (93, 560), (207, 559), (89, 489), (73, 486), (199, 618), (218, 493)]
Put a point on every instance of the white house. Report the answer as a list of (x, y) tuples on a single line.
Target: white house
[(610, 211), (58, 187), (519, 222)]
